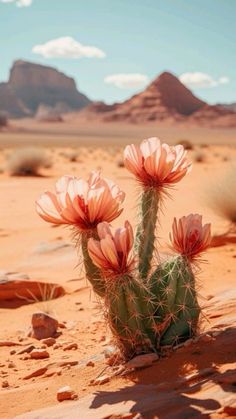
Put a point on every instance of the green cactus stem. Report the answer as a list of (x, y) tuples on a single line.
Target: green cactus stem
[(173, 286), (130, 315), (93, 274), (145, 235)]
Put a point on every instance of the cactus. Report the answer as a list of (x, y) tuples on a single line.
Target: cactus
[(148, 304)]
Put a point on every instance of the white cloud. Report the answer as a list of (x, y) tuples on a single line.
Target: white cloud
[(67, 47), (198, 80), (127, 81), (19, 3)]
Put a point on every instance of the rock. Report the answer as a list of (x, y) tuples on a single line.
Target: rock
[(67, 363), (5, 384), (36, 373), (32, 84), (49, 341), (103, 379), (15, 291), (90, 364), (66, 393), (9, 343), (142, 361), (11, 365), (26, 350), (43, 326), (70, 346), (39, 354)]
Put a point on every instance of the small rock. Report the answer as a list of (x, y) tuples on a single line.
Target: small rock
[(13, 352), (90, 364), (52, 372), (57, 346), (62, 325), (9, 343), (26, 350), (66, 393), (188, 342), (36, 373), (11, 365), (49, 341), (39, 354), (70, 346), (5, 384), (142, 361), (100, 380), (43, 326)]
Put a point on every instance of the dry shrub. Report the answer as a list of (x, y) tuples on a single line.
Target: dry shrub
[(199, 156), (221, 196), (27, 161), (72, 155), (3, 120), (120, 163), (186, 144)]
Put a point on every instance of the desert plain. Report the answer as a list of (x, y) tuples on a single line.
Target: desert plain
[(195, 380)]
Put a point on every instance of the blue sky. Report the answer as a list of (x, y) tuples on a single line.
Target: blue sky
[(135, 40)]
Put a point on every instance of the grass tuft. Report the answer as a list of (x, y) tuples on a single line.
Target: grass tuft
[(27, 161)]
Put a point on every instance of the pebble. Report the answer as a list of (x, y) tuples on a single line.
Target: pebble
[(11, 365), (5, 384), (39, 354), (36, 373), (90, 364), (66, 393), (49, 341), (142, 361), (26, 350), (100, 380), (70, 346)]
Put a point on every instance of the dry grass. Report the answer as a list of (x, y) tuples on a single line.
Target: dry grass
[(27, 161), (221, 196), (3, 120), (199, 156), (186, 144)]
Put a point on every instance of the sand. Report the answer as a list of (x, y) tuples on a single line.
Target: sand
[(45, 253)]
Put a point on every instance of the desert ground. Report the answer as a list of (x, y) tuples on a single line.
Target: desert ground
[(197, 379)]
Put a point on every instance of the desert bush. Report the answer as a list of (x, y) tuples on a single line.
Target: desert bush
[(199, 156), (120, 163), (221, 195), (186, 144), (27, 161), (3, 120)]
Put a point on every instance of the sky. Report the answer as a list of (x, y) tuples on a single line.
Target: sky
[(114, 48)]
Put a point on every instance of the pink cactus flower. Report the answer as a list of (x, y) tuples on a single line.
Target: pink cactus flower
[(156, 165), (112, 252), (81, 203), (190, 236)]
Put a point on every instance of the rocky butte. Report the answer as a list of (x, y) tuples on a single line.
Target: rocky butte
[(31, 85)]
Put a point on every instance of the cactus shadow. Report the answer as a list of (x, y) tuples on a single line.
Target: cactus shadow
[(175, 387)]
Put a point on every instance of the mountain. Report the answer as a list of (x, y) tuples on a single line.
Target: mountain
[(31, 85), (165, 99)]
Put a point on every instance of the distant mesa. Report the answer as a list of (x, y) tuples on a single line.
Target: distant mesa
[(46, 93), (31, 85)]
